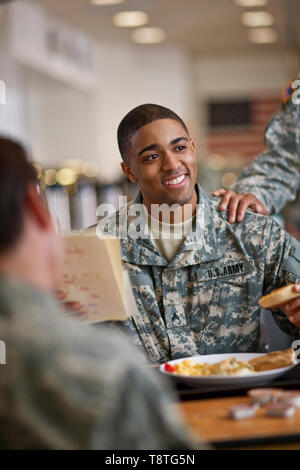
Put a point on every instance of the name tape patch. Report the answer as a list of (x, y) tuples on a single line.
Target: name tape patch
[(226, 270), (218, 271)]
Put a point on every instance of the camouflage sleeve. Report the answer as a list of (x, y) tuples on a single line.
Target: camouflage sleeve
[(88, 390), (129, 329), (282, 267), (274, 175), (145, 417)]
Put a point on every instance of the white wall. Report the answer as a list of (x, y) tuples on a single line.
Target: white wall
[(64, 122), (67, 123), (131, 76), (61, 121), (12, 114), (240, 74)]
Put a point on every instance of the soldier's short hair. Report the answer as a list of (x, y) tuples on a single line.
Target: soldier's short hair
[(139, 117), (16, 173)]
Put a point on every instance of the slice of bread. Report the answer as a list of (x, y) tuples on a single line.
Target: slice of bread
[(274, 360), (278, 297)]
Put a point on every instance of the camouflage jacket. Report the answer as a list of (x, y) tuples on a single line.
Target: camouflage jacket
[(65, 386), (274, 175), (205, 300)]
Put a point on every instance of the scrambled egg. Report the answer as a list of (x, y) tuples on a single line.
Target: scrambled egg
[(227, 367)]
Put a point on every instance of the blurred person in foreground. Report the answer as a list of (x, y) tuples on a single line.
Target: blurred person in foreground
[(197, 289), (273, 178), (64, 386)]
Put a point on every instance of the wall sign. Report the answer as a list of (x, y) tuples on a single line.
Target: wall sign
[(40, 41)]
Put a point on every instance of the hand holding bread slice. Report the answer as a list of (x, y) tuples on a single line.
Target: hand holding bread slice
[(279, 297)]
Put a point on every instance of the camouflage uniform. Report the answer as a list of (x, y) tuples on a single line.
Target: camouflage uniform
[(65, 386), (274, 175), (205, 300)]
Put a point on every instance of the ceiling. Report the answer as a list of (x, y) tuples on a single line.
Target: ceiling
[(198, 25)]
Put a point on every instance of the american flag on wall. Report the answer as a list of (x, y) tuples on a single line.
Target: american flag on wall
[(236, 128)]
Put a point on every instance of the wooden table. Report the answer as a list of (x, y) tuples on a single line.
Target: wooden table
[(208, 419)]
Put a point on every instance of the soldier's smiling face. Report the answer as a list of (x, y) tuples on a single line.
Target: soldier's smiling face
[(162, 161)]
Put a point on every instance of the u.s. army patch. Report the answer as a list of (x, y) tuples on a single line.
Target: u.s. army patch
[(221, 269), (227, 270)]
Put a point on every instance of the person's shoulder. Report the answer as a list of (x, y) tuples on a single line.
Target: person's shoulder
[(112, 360), (251, 217), (49, 332), (258, 233), (73, 347), (284, 121), (104, 342), (253, 224)]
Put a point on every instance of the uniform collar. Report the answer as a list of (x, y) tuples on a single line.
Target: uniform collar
[(141, 250), (201, 245)]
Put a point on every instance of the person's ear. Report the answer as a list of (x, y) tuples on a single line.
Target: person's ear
[(37, 208), (193, 145), (128, 172)]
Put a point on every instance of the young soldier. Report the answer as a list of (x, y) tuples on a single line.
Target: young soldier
[(198, 293)]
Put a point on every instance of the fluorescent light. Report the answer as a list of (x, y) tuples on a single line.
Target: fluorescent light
[(256, 19), (106, 2), (148, 35), (66, 176), (251, 3), (262, 35), (130, 19)]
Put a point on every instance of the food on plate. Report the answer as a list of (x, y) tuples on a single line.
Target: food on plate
[(278, 297), (241, 411), (169, 368), (229, 366), (274, 360)]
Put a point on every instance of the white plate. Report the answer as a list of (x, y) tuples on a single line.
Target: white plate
[(256, 378)]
